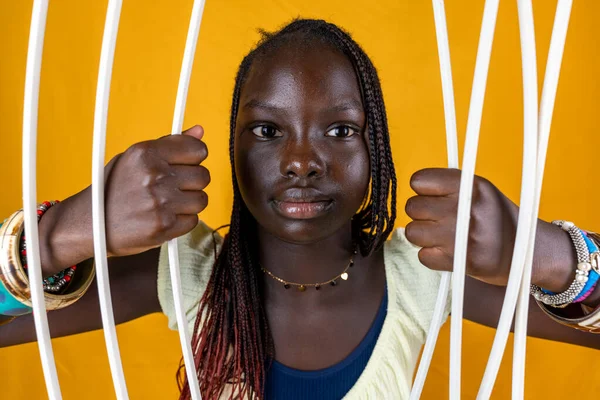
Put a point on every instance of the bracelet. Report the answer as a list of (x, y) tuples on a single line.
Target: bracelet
[(581, 274), (15, 296), (594, 277), (588, 323), (58, 282)]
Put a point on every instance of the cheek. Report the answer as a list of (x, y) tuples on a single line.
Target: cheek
[(357, 173), (254, 173)]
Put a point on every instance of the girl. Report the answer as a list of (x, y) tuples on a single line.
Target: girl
[(306, 297)]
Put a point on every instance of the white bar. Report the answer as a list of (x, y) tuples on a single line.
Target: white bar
[(555, 54), (441, 30), (452, 147), (482, 63), (30, 119), (182, 91), (527, 204), (109, 40)]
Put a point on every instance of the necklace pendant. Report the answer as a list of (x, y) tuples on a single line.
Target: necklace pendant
[(301, 288), (333, 283), (344, 276), (317, 287), (285, 285)]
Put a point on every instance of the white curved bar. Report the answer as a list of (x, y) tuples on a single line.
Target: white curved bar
[(482, 63), (182, 91), (553, 64), (30, 119), (527, 204), (109, 40), (452, 148), (441, 31)]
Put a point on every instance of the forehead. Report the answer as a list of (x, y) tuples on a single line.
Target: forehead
[(317, 75)]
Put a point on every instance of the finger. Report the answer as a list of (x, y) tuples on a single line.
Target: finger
[(184, 224), (195, 131), (191, 177), (189, 202), (431, 208), (435, 258), (181, 150), (424, 233), (436, 181)]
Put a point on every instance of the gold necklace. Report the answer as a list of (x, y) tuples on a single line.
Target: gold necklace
[(302, 286)]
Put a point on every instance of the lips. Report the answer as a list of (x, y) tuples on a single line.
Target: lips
[(302, 204)]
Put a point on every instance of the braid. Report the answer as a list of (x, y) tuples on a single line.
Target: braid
[(232, 342), (374, 215)]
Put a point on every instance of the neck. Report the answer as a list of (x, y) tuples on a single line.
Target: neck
[(316, 262), (306, 262)]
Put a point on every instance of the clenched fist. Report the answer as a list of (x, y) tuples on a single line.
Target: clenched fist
[(154, 191), (434, 211), (491, 235)]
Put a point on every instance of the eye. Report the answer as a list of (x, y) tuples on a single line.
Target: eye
[(341, 131), (266, 131)]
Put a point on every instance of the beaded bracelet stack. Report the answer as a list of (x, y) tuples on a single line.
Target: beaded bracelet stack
[(586, 274), (61, 290), (587, 277), (60, 281)]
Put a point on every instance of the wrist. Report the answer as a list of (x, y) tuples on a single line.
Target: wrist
[(555, 258), (66, 234)]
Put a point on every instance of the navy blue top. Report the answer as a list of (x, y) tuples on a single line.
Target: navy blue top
[(331, 383)]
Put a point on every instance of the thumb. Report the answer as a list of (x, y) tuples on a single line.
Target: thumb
[(196, 131)]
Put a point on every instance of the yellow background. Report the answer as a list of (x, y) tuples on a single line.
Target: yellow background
[(399, 35)]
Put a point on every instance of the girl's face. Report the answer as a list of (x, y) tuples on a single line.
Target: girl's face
[(301, 159)]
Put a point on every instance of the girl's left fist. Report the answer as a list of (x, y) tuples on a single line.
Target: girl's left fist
[(434, 211)]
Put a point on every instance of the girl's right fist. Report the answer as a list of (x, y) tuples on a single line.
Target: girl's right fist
[(154, 191)]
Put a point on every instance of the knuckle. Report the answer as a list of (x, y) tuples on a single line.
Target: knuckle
[(410, 207), (205, 176), (153, 179), (480, 187), (203, 203), (157, 202), (190, 223), (203, 150), (424, 257), (410, 231), (138, 150), (416, 178), (198, 202), (164, 222)]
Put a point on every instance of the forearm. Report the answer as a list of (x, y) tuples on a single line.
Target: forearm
[(134, 294), (483, 304), (554, 265)]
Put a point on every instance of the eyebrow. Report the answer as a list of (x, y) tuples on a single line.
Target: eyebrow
[(348, 105), (254, 103)]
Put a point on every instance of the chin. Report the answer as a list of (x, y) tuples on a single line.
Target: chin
[(302, 231)]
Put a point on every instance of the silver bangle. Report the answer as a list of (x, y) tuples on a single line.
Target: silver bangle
[(584, 267)]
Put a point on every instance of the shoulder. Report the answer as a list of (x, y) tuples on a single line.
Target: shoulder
[(413, 288), (197, 254)]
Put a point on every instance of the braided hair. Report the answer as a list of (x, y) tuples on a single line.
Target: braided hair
[(232, 343)]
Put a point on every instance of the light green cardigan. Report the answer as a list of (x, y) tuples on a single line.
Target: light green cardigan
[(412, 291)]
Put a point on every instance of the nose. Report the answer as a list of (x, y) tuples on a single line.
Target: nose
[(301, 160)]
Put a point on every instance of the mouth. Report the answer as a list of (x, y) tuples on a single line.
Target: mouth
[(303, 209), (301, 204)]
